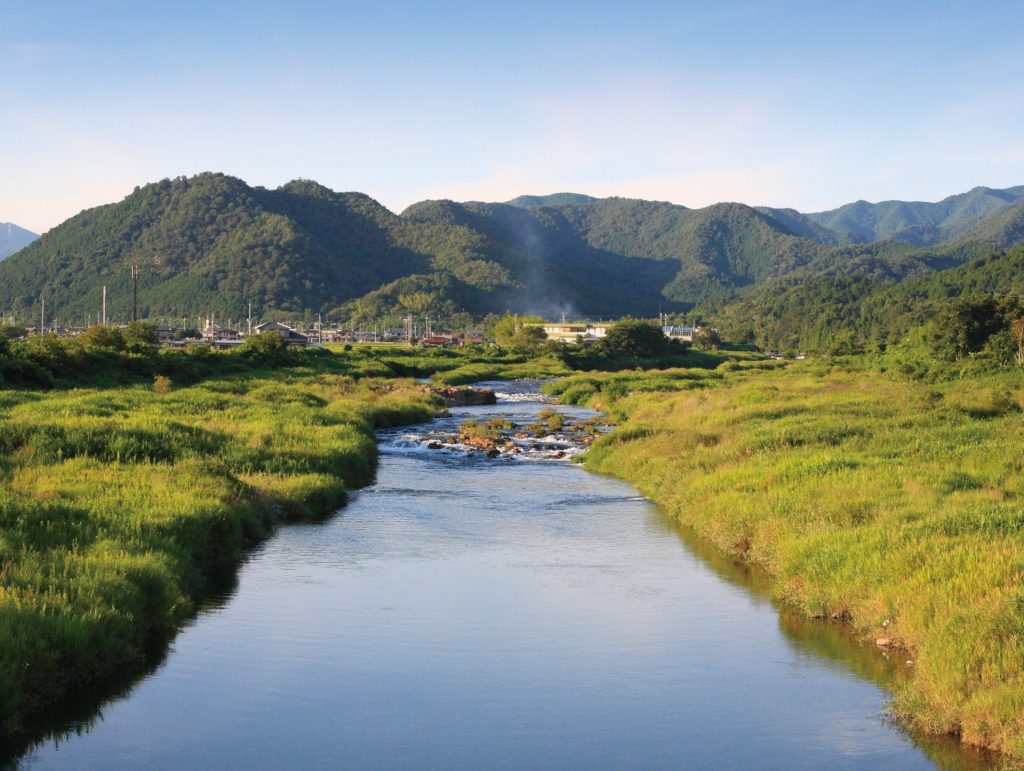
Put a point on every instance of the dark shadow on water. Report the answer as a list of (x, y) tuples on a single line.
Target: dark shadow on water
[(832, 642), (78, 716)]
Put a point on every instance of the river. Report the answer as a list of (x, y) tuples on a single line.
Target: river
[(467, 612)]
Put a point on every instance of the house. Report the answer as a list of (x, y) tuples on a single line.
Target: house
[(585, 332), (685, 334), (565, 332), (436, 341), (214, 332), (336, 335), (291, 336), (165, 333)]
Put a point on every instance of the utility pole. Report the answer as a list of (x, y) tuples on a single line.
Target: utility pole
[(42, 315), (250, 317), (103, 318), (135, 293)]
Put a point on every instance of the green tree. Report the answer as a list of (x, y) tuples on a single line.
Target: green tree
[(706, 338), (269, 349), (520, 332), (637, 339), (140, 334), (964, 326), (1001, 347), (100, 336)]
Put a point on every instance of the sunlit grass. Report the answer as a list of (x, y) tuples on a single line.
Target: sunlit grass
[(895, 505), (117, 505)]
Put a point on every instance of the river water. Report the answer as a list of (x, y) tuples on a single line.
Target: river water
[(467, 612)]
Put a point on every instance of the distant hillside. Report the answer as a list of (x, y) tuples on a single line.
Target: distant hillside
[(13, 238), (802, 225), (212, 244), (209, 243), (916, 222), (807, 314), (555, 199)]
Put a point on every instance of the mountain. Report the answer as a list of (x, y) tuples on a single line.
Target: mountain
[(618, 255), (916, 222), (212, 244), (802, 225), (807, 312), (13, 238), (1001, 230), (554, 199)]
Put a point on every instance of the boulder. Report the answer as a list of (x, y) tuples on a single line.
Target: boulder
[(464, 396)]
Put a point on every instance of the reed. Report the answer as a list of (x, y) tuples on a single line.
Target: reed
[(119, 505), (885, 499)]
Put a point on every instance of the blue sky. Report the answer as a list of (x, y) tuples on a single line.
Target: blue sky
[(785, 103)]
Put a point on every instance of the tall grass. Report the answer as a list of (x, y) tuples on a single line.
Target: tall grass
[(117, 506), (893, 504)]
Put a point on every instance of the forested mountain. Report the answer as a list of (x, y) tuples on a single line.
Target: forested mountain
[(13, 238), (554, 199), (864, 310), (916, 222), (211, 244)]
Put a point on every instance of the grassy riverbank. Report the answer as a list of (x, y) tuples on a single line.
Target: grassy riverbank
[(891, 503), (117, 505)]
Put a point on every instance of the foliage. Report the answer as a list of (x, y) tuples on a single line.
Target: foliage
[(807, 312), (635, 338), (212, 244), (966, 325), (519, 333), (119, 505), (269, 349), (706, 338), (891, 504)]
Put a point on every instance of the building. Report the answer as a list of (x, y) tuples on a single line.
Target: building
[(684, 334), (565, 332), (215, 333), (576, 332), (291, 336), (436, 341)]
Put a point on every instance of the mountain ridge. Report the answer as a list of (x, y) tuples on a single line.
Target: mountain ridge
[(13, 238), (212, 243)]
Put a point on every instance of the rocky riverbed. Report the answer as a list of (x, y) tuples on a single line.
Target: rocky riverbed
[(548, 435)]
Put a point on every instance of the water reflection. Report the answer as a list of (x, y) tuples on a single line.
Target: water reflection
[(466, 613)]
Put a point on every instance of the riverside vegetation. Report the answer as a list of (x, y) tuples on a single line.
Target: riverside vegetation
[(119, 505), (881, 491), (133, 476)]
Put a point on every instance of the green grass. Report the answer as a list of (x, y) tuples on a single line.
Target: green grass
[(897, 505), (118, 506)]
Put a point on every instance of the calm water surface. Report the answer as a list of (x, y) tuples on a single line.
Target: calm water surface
[(474, 613)]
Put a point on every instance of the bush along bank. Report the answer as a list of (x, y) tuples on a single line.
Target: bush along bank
[(118, 506), (892, 505)]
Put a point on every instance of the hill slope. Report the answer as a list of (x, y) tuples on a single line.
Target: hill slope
[(211, 244), (13, 238), (917, 222)]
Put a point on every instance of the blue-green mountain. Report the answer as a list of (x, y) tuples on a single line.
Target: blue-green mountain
[(13, 238), (212, 244)]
